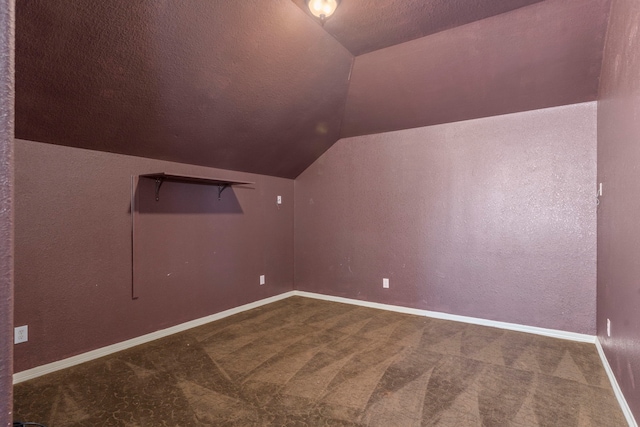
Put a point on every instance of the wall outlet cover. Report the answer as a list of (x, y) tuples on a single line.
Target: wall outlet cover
[(262, 279), (21, 334)]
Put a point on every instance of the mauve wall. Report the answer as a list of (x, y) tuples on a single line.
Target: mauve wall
[(195, 255), (7, 27), (493, 218), (619, 210)]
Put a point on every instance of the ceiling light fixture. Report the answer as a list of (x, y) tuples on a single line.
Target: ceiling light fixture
[(322, 9)]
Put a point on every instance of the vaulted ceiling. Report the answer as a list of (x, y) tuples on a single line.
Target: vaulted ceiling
[(260, 86)]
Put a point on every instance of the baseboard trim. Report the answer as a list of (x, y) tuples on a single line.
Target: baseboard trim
[(555, 333), (626, 410), (104, 351), (110, 349)]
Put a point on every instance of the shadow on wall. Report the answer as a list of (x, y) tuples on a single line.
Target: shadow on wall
[(187, 231)]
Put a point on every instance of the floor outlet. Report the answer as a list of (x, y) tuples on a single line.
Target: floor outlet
[(21, 334), (262, 280), (385, 283)]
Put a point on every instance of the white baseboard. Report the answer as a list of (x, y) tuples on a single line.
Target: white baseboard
[(104, 351), (555, 333), (616, 387)]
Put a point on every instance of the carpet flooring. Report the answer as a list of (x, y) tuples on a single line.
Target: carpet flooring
[(306, 362)]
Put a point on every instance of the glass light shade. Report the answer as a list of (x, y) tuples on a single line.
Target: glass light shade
[(322, 8)]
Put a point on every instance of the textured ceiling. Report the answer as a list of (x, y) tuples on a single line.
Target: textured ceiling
[(544, 55), (364, 25), (216, 83), (260, 86)]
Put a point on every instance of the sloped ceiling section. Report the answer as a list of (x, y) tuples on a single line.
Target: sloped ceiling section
[(544, 55), (363, 26), (260, 86), (252, 86)]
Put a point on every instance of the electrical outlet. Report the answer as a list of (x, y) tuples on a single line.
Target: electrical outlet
[(279, 200), (385, 283), (262, 279), (608, 327), (21, 334)]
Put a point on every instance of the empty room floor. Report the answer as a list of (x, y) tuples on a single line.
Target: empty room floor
[(307, 362)]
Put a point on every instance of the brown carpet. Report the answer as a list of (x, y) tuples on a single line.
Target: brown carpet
[(305, 362)]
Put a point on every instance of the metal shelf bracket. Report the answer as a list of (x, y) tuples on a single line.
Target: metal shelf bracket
[(159, 182), (221, 188)]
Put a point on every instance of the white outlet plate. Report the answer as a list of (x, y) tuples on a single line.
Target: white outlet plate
[(608, 327), (262, 279), (385, 283), (279, 200), (21, 334)]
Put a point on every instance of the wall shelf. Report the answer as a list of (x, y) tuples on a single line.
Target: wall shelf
[(221, 183)]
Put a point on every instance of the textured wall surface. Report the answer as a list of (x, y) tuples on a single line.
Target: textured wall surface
[(196, 255), (619, 210), (7, 27), (543, 55), (492, 218)]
